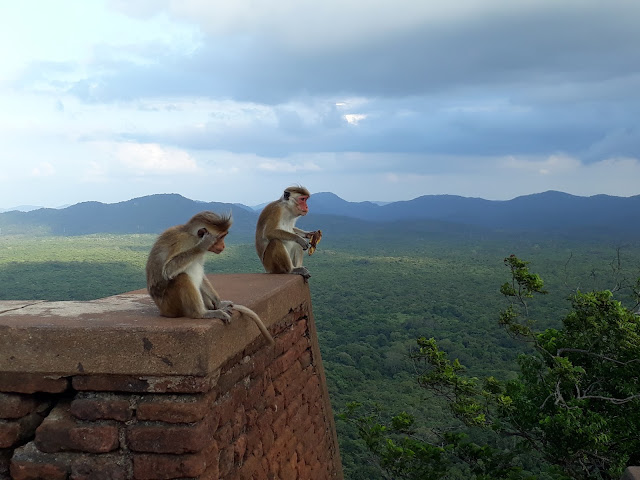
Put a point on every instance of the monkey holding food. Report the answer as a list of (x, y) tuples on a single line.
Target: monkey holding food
[(279, 243), (175, 271)]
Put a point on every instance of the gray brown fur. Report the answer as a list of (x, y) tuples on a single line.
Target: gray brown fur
[(175, 271), (279, 244)]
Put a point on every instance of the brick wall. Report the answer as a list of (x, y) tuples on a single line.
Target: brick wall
[(110, 390)]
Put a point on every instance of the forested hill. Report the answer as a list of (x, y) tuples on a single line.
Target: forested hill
[(548, 211), (552, 212), (150, 214)]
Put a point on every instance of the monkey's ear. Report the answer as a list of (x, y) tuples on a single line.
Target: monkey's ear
[(287, 195), (202, 232)]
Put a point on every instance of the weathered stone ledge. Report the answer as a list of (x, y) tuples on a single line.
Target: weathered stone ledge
[(108, 389), (124, 334)]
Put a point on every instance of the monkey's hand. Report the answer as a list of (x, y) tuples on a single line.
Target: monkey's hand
[(303, 242), (206, 239)]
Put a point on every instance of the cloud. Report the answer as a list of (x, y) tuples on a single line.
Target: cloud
[(378, 48), (43, 169), (281, 166), (145, 159), (557, 164), (478, 78), (367, 97), (96, 172)]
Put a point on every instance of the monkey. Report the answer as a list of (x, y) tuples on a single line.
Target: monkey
[(175, 271), (279, 243)]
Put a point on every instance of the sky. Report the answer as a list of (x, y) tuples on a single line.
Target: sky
[(233, 101)]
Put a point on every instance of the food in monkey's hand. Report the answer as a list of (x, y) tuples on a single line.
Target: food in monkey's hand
[(315, 240)]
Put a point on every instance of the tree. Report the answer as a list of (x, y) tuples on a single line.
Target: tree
[(575, 403)]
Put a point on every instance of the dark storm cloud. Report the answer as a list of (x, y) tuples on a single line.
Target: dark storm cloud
[(548, 45), (543, 78)]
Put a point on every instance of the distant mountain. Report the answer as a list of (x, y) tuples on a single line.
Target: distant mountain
[(330, 204), (20, 208), (552, 212), (150, 214), (548, 211)]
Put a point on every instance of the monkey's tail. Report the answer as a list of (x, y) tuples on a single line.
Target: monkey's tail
[(254, 316)]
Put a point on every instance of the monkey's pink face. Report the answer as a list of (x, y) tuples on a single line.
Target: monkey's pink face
[(301, 203), (218, 247)]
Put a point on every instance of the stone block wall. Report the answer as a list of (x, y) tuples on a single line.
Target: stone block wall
[(110, 390)]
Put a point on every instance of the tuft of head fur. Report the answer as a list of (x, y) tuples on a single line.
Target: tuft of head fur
[(221, 222), (299, 189)]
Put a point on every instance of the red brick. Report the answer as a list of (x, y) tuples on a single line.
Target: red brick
[(238, 421), (231, 361), (288, 469), (280, 451), (225, 462), (268, 438), (223, 409), (28, 463), (293, 396), (254, 442), (300, 421), (175, 408), (175, 439), (303, 469), (266, 399), (31, 383), (255, 388), (293, 334), (261, 360), (280, 425), (15, 405), (285, 323), (311, 391), (224, 434), (9, 433), (240, 448), (248, 469), (277, 406), (231, 377), (143, 384), (94, 438), (164, 467), (306, 359), (289, 377), (238, 395), (13, 432), (252, 418), (101, 407), (211, 473), (60, 432), (292, 408), (283, 362), (99, 467), (211, 456), (308, 440), (38, 471)]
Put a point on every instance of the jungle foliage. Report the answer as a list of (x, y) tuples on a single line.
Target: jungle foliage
[(574, 406), (373, 295)]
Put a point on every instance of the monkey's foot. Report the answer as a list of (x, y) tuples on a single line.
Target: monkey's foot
[(221, 314), (302, 271)]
